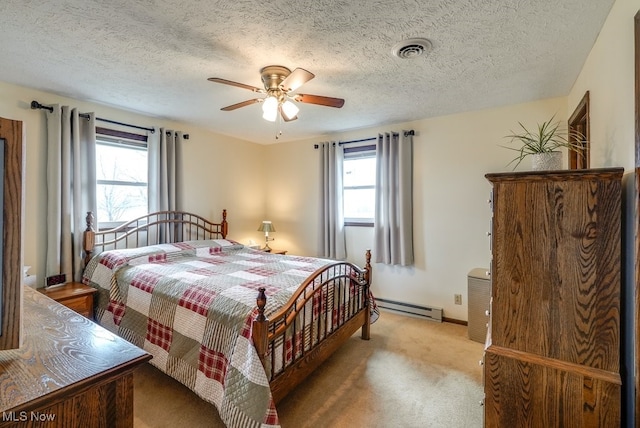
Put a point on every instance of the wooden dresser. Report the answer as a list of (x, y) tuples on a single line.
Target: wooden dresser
[(553, 347), (69, 371)]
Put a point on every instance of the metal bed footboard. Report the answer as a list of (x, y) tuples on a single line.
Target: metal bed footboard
[(331, 305)]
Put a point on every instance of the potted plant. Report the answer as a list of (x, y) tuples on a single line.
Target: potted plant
[(544, 144)]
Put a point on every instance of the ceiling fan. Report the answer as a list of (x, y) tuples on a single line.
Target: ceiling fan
[(279, 84)]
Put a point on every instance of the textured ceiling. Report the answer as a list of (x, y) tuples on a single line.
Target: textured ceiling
[(154, 56)]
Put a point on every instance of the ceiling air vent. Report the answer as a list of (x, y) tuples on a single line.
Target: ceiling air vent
[(411, 48)]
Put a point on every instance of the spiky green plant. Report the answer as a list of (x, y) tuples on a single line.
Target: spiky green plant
[(549, 137)]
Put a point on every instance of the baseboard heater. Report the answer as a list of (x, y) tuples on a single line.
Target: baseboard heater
[(431, 313)]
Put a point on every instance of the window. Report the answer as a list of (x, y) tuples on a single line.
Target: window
[(359, 185), (121, 172)]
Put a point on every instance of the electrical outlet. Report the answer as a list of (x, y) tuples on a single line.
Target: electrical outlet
[(457, 299)]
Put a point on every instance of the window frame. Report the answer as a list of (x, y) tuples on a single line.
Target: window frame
[(580, 123), (115, 138), (361, 151)]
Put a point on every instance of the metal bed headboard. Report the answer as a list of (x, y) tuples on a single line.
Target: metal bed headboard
[(160, 227)]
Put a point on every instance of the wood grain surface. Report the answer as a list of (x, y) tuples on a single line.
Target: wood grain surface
[(11, 267), (554, 353), (68, 368)]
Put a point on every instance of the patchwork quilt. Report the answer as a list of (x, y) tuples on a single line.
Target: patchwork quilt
[(191, 306)]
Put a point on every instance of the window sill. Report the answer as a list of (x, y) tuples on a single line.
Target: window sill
[(357, 224)]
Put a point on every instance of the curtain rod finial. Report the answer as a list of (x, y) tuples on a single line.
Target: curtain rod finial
[(36, 105)]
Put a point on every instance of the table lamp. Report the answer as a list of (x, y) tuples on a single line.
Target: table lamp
[(266, 226)]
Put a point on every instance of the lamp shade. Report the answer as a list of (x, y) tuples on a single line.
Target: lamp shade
[(266, 226), (270, 109), (289, 109)]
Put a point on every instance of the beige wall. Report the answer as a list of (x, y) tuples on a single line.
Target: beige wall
[(221, 172)]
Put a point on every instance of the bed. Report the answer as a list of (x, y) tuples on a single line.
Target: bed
[(238, 326)]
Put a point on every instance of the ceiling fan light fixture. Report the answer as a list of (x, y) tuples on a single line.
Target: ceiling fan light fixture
[(270, 109), (289, 109)]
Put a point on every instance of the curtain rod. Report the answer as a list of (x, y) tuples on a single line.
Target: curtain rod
[(406, 133), (362, 140), (37, 105)]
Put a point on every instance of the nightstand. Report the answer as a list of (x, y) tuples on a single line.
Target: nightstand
[(274, 251), (74, 295)]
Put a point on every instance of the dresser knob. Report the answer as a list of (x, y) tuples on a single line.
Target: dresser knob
[(480, 363), (487, 313), (488, 233), (481, 402)]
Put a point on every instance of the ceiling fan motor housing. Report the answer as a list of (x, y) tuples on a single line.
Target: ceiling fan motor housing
[(273, 76)]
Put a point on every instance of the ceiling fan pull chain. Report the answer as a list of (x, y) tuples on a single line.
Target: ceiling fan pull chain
[(279, 131)]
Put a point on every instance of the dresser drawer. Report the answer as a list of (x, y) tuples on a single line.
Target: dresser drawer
[(75, 296), (82, 304)]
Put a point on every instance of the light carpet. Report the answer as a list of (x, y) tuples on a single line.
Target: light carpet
[(412, 373)]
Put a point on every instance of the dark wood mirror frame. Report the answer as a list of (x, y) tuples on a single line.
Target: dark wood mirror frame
[(637, 215), (11, 259)]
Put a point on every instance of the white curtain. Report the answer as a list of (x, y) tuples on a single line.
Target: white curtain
[(165, 170), (331, 239), (165, 178), (393, 235), (71, 188)]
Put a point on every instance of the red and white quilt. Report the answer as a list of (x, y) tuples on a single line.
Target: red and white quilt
[(191, 306)]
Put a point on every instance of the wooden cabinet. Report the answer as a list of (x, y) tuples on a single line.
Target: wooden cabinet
[(553, 349), (70, 372), (74, 295)]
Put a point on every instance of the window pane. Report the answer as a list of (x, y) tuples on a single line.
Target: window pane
[(121, 163), (359, 172), (118, 166), (121, 203), (359, 182), (359, 203)]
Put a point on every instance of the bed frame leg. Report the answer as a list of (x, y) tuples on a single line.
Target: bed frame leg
[(260, 332), (366, 327)]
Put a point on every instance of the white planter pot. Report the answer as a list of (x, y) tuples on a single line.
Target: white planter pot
[(546, 161)]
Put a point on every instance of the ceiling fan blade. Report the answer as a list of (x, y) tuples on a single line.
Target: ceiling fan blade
[(320, 100), (232, 83), (242, 104), (295, 79)]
